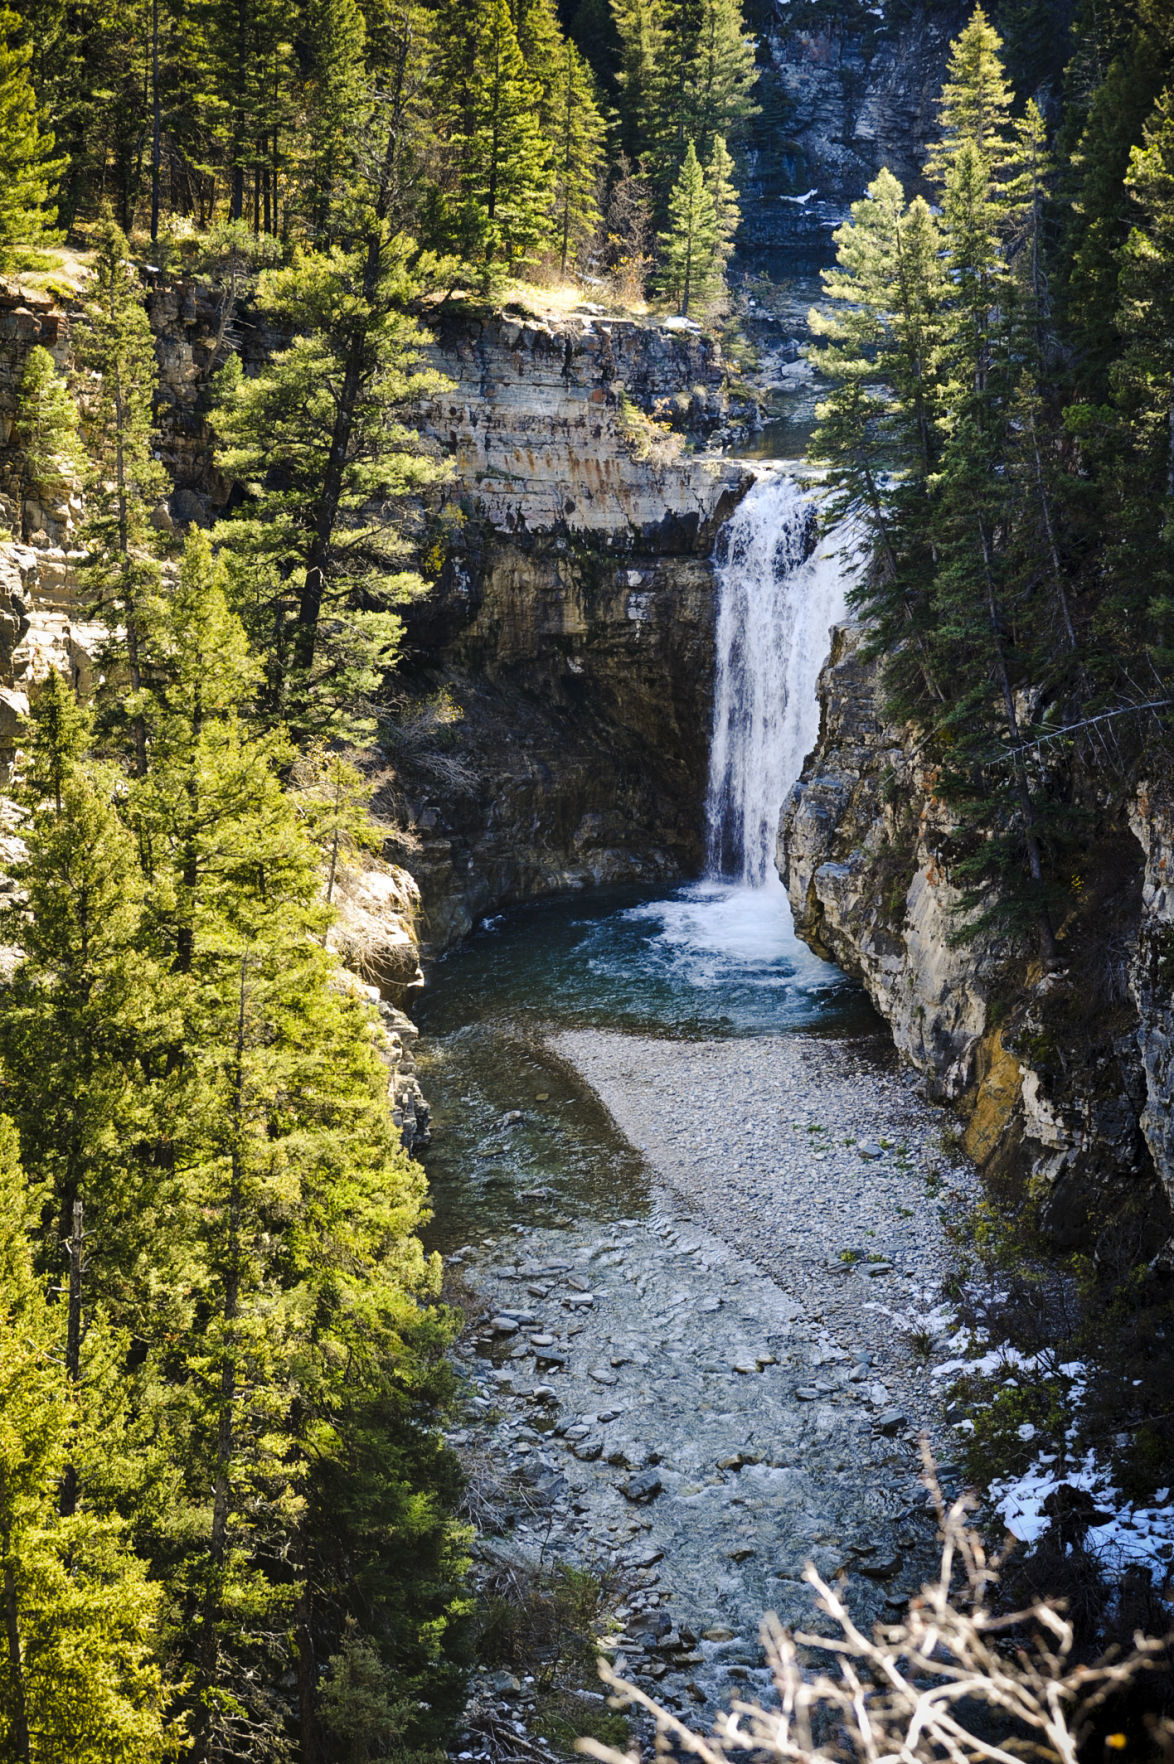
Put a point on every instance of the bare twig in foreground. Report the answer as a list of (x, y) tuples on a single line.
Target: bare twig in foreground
[(952, 1681)]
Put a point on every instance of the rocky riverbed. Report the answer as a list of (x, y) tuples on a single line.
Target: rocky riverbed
[(705, 1392)]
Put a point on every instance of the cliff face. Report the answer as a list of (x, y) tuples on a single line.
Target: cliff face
[(572, 626), (1062, 1079), (842, 92)]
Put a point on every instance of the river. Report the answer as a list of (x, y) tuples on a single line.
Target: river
[(690, 1202)]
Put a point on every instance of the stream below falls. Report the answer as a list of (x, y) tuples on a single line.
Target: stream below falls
[(693, 1206)]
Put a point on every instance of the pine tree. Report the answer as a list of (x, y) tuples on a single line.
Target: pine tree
[(578, 135), (336, 97), (293, 1401), (877, 428), (541, 41), (88, 1029), (78, 1677), (233, 108), (121, 572), (691, 246), (46, 432), (722, 75), (640, 25), (975, 103), (494, 206), (703, 82), (27, 210), (723, 192), (319, 437), (210, 814)]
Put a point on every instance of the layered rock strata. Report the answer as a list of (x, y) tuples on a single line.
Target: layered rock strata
[(572, 627)]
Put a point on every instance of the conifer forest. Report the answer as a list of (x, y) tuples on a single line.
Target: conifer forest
[(586, 922)]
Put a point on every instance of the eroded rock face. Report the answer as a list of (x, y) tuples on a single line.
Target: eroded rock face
[(378, 908), (535, 426), (573, 623), (1151, 976), (1063, 1078), (840, 98)]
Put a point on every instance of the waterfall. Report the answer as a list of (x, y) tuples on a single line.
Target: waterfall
[(777, 603)]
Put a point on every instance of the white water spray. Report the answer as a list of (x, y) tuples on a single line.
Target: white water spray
[(776, 608)]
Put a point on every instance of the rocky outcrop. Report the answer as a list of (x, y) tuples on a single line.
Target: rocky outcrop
[(378, 908), (842, 92), (1062, 1078), (577, 423), (1151, 975), (571, 630)]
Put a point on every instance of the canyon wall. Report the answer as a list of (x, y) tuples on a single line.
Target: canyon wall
[(843, 90), (571, 630), (1061, 1077)]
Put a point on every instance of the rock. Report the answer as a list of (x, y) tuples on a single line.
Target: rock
[(504, 1325), (644, 1487), (868, 1148), (601, 1375), (374, 934), (550, 1357), (889, 1422), (587, 1449), (807, 1393), (718, 1634), (881, 1567)]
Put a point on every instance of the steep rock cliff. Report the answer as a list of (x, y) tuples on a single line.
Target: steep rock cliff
[(842, 92), (572, 625), (1062, 1079)]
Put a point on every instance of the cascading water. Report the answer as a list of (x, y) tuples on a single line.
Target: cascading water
[(777, 602)]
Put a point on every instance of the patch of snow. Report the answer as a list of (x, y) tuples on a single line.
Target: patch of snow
[(1131, 1536)]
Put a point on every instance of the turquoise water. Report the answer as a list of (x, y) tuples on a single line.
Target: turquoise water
[(519, 1139), (707, 959)]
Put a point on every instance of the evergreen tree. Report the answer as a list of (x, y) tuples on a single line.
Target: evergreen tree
[(294, 1403), (319, 438), (703, 82), (88, 1031), (541, 41), (721, 76), (336, 97), (494, 203), (877, 428), (723, 193), (27, 210), (121, 572), (46, 432), (578, 135), (210, 814), (78, 1678), (233, 112), (692, 244), (640, 25), (975, 105)]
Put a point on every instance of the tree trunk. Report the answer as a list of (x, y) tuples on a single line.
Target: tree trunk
[(18, 1727), (225, 1431), (156, 120), (73, 1341)]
